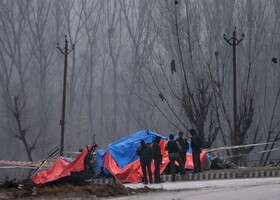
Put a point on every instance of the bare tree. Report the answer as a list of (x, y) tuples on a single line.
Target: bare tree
[(194, 96), (114, 42), (268, 103), (92, 16), (42, 48), (16, 60), (137, 19)]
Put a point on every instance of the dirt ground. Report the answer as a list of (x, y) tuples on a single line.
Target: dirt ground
[(63, 190)]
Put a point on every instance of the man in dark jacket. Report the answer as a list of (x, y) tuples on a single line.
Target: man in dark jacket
[(157, 159), (196, 144), (184, 145), (146, 156), (174, 150)]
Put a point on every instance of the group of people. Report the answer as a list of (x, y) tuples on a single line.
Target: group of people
[(177, 150), (147, 154)]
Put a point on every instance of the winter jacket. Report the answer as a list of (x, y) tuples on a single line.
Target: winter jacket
[(156, 151), (183, 143), (145, 153), (173, 148), (196, 143)]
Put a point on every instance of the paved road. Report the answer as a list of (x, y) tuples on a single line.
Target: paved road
[(227, 189)]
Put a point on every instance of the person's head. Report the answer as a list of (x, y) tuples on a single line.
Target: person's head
[(192, 132), (157, 139), (143, 142), (181, 134), (171, 137)]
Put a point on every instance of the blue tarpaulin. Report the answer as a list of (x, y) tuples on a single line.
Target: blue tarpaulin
[(99, 160), (123, 151)]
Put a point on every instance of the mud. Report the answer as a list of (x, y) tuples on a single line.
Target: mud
[(63, 190)]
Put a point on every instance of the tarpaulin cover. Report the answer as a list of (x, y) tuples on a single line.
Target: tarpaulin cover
[(124, 164), (61, 168), (120, 159)]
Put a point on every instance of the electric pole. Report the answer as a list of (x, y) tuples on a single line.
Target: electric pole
[(233, 41), (65, 51)]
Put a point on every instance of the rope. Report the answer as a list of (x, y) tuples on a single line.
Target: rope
[(24, 163), (242, 155), (21, 167), (237, 147)]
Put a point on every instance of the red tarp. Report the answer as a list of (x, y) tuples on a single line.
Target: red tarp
[(61, 168)]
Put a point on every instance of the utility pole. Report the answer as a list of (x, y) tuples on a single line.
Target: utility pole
[(65, 51), (233, 41)]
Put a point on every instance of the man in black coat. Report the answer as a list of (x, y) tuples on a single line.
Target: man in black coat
[(184, 145), (196, 144), (174, 150), (146, 156), (157, 159)]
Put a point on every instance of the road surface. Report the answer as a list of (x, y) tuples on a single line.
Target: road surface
[(226, 189)]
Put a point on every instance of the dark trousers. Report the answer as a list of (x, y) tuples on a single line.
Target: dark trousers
[(196, 160), (184, 158), (157, 163), (173, 158), (144, 167)]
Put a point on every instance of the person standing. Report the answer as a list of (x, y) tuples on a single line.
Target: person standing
[(157, 156), (196, 145), (174, 150), (184, 145), (146, 156)]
